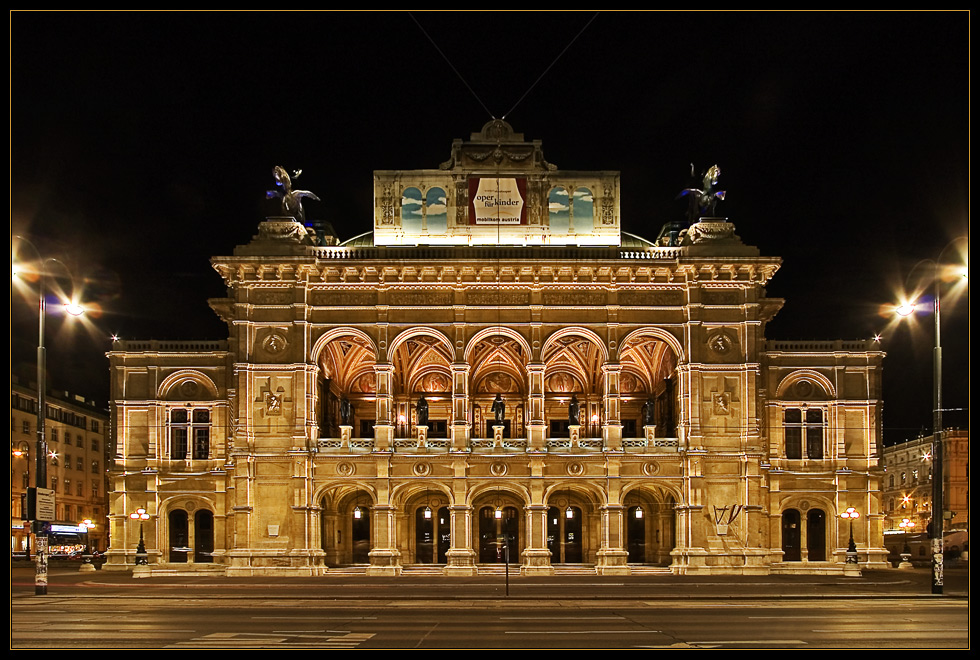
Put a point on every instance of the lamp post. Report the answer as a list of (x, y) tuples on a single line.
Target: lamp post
[(87, 564), (936, 525), (141, 515), (851, 561), (906, 525), (41, 471)]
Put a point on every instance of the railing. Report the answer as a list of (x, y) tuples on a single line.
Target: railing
[(823, 346), (485, 445), (642, 445), (158, 346)]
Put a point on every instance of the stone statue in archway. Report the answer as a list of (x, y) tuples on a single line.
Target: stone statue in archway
[(498, 410), (346, 411), (422, 411), (573, 411)]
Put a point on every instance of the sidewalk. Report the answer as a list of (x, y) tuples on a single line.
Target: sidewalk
[(888, 583)]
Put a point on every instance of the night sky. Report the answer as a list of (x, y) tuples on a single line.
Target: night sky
[(142, 144)]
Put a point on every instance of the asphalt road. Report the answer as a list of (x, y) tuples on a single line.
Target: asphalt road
[(882, 609)]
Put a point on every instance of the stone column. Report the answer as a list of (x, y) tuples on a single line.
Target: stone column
[(612, 556), (384, 430), (460, 558), (537, 557), (384, 555), (537, 432), (460, 431), (612, 429)]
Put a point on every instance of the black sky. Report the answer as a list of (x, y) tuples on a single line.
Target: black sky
[(142, 144)]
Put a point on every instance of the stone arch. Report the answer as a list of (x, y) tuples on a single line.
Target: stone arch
[(806, 375), (576, 330), (179, 530), (187, 385), (415, 353), (650, 387), (813, 538), (491, 331), (649, 522), (657, 333), (408, 333), (345, 537), (345, 358), (336, 333)]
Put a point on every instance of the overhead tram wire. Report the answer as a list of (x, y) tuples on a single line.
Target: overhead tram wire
[(533, 85)]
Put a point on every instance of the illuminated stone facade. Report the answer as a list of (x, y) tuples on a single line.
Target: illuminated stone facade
[(589, 397)]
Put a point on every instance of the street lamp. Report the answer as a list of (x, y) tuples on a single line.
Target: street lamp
[(850, 515), (906, 310), (141, 515), (41, 473), (906, 525), (87, 564)]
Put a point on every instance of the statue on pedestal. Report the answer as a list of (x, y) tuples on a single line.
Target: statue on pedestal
[(498, 410), (292, 200), (422, 411), (346, 412), (702, 200), (573, 409)]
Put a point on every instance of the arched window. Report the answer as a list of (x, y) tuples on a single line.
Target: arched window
[(436, 221), (412, 211)]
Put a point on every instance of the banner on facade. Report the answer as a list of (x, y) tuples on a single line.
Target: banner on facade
[(496, 201)]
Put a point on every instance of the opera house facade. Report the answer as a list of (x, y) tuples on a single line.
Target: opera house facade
[(496, 374)]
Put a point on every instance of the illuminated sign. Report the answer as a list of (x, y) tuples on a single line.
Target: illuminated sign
[(69, 529), (496, 201)]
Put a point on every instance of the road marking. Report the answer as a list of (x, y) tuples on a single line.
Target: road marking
[(561, 618), (343, 640), (753, 642), (581, 632)]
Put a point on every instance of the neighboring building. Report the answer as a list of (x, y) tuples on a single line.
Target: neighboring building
[(588, 396), (907, 492), (76, 432)]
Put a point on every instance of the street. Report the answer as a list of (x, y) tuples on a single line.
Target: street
[(111, 610)]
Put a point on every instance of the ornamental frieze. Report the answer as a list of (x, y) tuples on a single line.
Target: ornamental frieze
[(651, 298), (574, 298), (343, 298), (501, 297)]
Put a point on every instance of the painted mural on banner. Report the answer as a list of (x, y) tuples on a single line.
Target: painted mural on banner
[(496, 201)]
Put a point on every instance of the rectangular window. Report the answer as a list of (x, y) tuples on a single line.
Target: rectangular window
[(190, 426), (26, 428), (804, 430), (95, 444), (54, 435), (95, 489), (79, 441), (178, 434), (95, 467), (95, 425), (80, 464), (80, 489)]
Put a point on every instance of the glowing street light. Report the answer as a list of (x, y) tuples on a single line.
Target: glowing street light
[(940, 273), (141, 515), (41, 473), (850, 514)]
